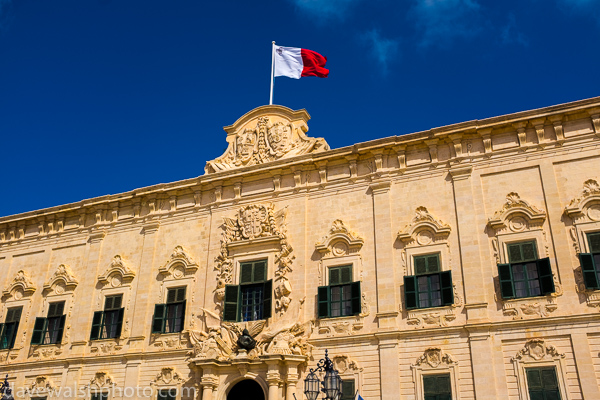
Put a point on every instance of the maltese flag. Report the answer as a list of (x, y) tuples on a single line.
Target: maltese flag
[(294, 62)]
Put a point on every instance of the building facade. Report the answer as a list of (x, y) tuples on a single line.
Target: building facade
[(461, 262)]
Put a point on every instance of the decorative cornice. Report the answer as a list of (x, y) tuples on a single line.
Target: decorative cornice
[(180, 264), (424, 228), (21, 286), (339, 241), (61, 281), (117, 273), (590, 194), (514, 205)]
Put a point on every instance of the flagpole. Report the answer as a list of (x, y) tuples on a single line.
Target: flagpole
[(272, 71)]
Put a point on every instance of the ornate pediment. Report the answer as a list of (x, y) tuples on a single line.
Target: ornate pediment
[(117, 273), (517, 215), (424, 229), (101, 380), (587, 204), (340, 241), (434, 357), (537, 349), (180, 264), (61, 281), (167, 376), (266, 134), (41, 384), (20, 287)]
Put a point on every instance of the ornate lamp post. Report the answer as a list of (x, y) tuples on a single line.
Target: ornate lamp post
[(5, 390), (331, 384)]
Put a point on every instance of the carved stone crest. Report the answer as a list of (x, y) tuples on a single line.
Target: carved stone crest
[(266, 134), (537, 349), (167, 376), (434, 356)]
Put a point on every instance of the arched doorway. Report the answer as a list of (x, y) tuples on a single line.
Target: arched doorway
[(246, 390)]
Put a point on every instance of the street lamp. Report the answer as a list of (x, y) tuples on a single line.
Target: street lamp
[(332, 383), (5, 390)]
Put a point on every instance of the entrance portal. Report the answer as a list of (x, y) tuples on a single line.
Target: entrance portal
[(246, 390)]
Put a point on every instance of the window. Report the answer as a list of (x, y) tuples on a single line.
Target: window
[(542, 383), (429, 287), (167, 394), (348, 389), (590, 262), (251, 299), (49, 330), (99, 396), (342, 297), (8, 330), (107, 324), (437, 387), (525, 275), (169, 317)]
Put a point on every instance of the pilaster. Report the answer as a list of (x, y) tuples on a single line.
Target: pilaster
[(388, 366), (585, 366)]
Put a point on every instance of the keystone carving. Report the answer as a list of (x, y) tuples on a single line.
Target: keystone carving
[(118, 273), (266, 134), (20, 287)]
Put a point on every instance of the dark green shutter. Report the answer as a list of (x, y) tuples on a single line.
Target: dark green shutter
[(97, 325), (334, 276), (230, 309), (171, 295), (348, 389), (594, 242), (356, 296), (61, 329), (507, 287), (246, 273), (39, 329), (158, 320), (447, 289), (268, 294), (323, 301), (545, 274), (345, 274), (13, 335), (260, 272), (410, 292), (119, 322), (3, 342), (589, 271), (182, 313), (180, 294)]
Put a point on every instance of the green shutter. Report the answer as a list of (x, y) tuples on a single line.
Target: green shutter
[(346, 274), (3, 342), (410, 292), (420, 265), (39, 329), (594, 242), (171, 296), (183, 303), (12, 334), (348, 389), (545, 276), (245, 273), (334, 276), (260, 271), (97, 325), (268, 294), (589, 271), (180, 294), (120, 322), (514, 253), (507, 288), (61, 329), (323, 301), (158, 320), (356, 296), (446, 287), (230, 308)]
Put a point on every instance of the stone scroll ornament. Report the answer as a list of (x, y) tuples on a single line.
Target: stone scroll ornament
[(266, 134), (253, 222)]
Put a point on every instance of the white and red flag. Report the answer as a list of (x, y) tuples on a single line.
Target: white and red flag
[(295, 62)]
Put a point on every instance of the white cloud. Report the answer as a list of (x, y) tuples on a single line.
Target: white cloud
[(384, 50), (325, 10), (439, 22), (510, 33)]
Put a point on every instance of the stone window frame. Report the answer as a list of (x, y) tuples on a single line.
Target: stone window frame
[(435, 361), (536, 354), (18, 293), (348, 368)]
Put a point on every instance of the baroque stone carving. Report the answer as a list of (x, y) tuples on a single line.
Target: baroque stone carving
[(117, 274), (344, 363), (106, 348), (266, 134), (257, 222), (61, 281), (180, 264), (424, 229), (41, 384), (340, 241), (46, 352), (516, 215), (20, 287), (167, 376), (427, 318), (100, 380), (585, 207), (537, 349), (434, 357)]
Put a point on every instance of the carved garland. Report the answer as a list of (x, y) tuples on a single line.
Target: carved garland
[(255, 222)]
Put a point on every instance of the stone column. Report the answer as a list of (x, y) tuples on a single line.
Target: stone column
[(208, 382), (585, 366), (388, 366), (273, 379), (387, 288), (292, 378)]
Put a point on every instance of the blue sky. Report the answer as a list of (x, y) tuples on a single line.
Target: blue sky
[(103, 96)]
